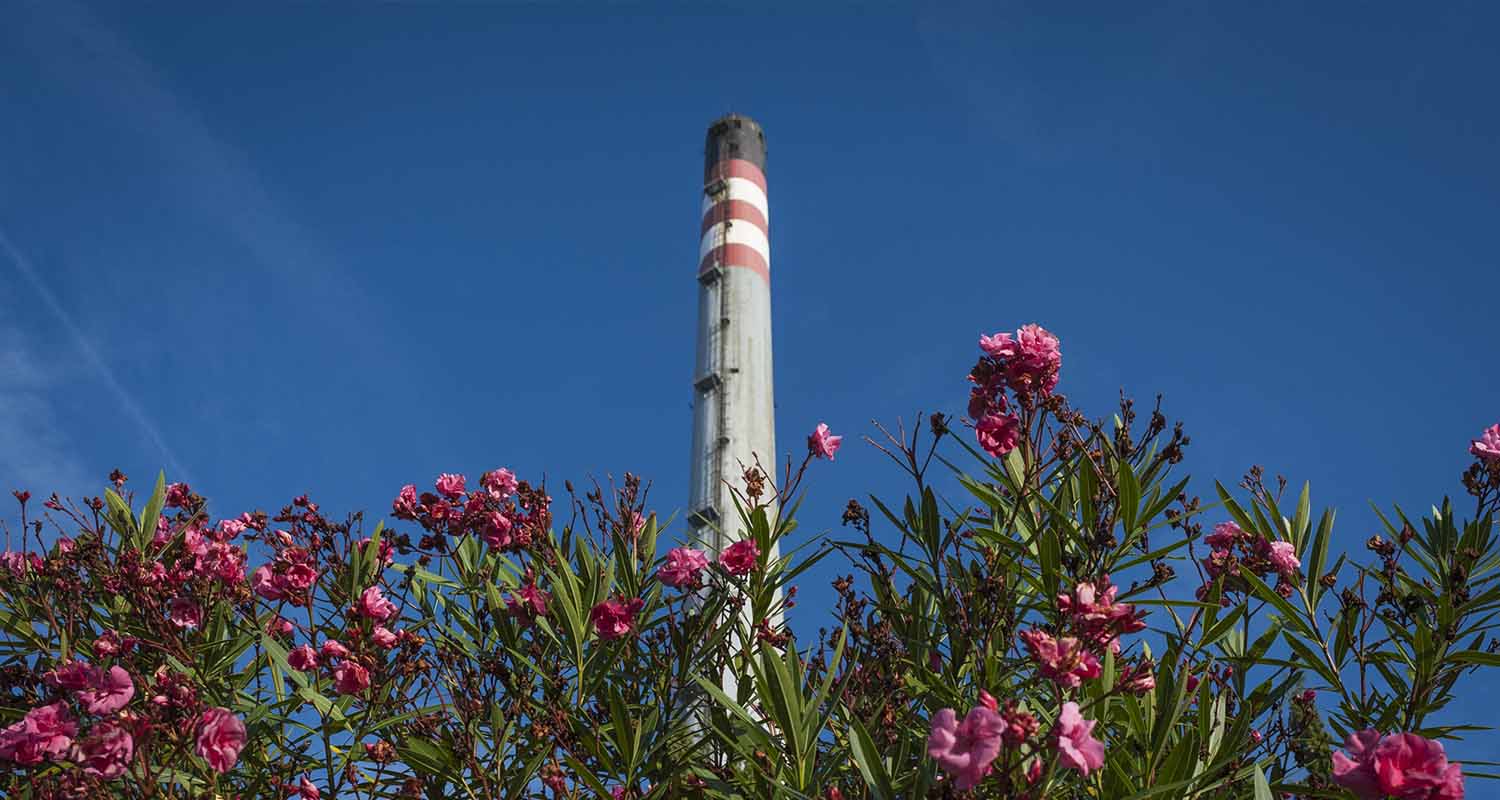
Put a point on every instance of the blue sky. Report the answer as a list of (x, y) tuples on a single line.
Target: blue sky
[(341, 247)]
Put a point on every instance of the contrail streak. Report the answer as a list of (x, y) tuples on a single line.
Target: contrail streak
[(91, 355)]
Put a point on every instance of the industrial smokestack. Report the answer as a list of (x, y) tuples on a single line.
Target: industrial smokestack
[(734, 418)]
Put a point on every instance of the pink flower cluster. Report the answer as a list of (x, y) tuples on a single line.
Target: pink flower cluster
[(1031, 359), (1234, 551), (1401, 765), (1097, 618), (967, 749), (1062, 660), (101, 691), (1027, 364), (51, 732), (290, 576), (504, 513)]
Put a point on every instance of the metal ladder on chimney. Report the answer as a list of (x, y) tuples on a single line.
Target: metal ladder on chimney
[(717, 379)]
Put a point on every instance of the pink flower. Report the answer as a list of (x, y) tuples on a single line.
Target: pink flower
[(265, 584), (1076, 746), (998, 433), (682, 567), (184, 613), (740, 557), (1405, 765), (177, 495), (333, 649), (221, 736), (405, 504), (372, 604), (350, 678), (1096, 616), (1064, 660), (107, 644), (74, 675), (110, 694), (822, 443), (1224, 536), (299, 578), (1036, 361), (107, 751), (500, 483), (307, 790), (303, 658), (387, 550), (965, 749), (1487, 446), (1283, 557), (998, 346), (383, 637), (496, 530), (45, 733), (527, 602), (450, 485), (613, 618)]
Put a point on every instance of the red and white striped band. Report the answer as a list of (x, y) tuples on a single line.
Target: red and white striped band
[(736, 219)]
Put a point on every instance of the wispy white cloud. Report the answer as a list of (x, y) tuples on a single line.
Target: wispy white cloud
[(86, 57), (26, 389), (34, 453)]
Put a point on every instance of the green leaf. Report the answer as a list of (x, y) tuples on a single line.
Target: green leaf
[(867, 758), (152, 512), (1262, 788), (1476, 657)]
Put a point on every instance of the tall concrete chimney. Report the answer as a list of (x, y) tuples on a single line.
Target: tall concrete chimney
[(734, 416)]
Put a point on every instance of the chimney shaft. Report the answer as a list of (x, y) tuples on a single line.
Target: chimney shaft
[(733, 409)]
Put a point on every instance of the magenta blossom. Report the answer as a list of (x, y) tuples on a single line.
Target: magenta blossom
[(614, 618), (1283, 557), (405, 504), (1063, 660), (822, 443), (265, 583), (1487, 446), (682, 567), (740, 557), (1076, 746), (998, 433), (303, 658), (184, 613), (372, 604), (333, 649), (527, 602), (383, 637), (44, 734), (106, 752), (1405, 765), (350, 678), (1001, 345), (220, 737), (450, 485), (965, 749), (110, 693), (500, 483), (307, 790)]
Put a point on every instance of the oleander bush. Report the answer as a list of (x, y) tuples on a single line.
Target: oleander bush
[(1050, 613)]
